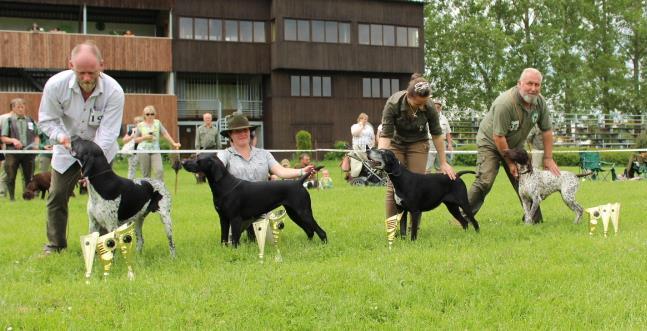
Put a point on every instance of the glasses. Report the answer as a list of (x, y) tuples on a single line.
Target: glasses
[(150, 114)]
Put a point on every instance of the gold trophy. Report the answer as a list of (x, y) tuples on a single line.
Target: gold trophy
[(277, 225), (89, 247), (608, 212), (391, 227), (106, 246), (260, 229), (125, 235), (615, 216)]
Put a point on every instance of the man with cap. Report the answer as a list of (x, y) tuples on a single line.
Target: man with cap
[(446, 136)]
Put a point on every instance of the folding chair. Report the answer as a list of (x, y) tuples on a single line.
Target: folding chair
[(590, 162)]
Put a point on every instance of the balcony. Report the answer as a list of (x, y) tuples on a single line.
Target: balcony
[(51, 51)]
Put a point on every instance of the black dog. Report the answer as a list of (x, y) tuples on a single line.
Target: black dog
[(114, 200), (238, 201), (416, 193)]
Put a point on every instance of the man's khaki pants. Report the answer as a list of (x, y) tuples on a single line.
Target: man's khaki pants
[(60, 190), (413, 156), (488, 161)]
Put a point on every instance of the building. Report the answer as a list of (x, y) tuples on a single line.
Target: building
[(289, 65)]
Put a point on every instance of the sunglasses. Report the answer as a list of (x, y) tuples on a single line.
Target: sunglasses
[(150, 114)]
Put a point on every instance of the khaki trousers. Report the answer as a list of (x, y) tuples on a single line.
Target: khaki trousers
[(60, 190), (488, 161), (414, 157), (151, 164)]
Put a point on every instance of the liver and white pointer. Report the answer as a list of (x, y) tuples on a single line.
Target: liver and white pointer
[(114, 200), (239, 202), (416, 193)]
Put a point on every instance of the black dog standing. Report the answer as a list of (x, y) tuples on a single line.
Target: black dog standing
[(416, 193), (114, 200), (239, 201)]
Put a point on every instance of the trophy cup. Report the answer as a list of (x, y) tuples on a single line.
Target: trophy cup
[(106, 246), (89, 247), (277, 225), (125, 235), (391, 226), (608, 212), (260, 229), (615, 216)]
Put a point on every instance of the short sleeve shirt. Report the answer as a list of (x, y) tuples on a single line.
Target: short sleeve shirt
[(256, 169), (206, 138), (156, 130), (508, 117), (402, 126)]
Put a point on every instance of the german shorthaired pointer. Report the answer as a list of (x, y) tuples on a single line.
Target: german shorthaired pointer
[(536, 185), (416, 193), (238, 202), (114, 200)]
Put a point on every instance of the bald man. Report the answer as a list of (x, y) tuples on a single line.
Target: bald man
[(506, 125), (85, 102)]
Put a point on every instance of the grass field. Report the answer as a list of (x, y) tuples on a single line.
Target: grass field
[(509, 276)]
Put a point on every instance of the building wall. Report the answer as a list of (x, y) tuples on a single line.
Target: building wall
[(139, 4)]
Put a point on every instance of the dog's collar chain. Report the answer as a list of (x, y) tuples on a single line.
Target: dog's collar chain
[(100, 173)]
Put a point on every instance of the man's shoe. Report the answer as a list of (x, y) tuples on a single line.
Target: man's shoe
[(49, 250)]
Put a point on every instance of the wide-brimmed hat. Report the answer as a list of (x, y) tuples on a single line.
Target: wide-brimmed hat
[(236, 121)]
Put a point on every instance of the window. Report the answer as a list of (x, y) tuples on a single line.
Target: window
[(413, 37), (379, 87), (305, 86), (364, 35), (290, 30), (231, 30), (376, 34), (246, 31), (303, 29), (402, 36), (201, 26), (186, 28), (331, 32), (316, 86), (320, 87), (389, 35), (215, 30), (295, 88), (344, 33), (259, 32), (318, 32)]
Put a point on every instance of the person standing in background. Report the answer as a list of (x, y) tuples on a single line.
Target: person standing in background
[(206, 136), (147, 138), (447, 137), (129, 141)]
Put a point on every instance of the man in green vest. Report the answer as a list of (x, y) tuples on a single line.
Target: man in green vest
[(206, 136), (506, 125), (19, 132)]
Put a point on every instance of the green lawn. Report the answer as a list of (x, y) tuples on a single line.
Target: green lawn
[(509, 276)]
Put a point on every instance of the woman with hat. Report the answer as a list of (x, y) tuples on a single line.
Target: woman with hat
[(247, 162), (147, 138)]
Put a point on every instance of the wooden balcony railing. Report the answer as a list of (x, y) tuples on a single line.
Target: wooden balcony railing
[(48, 50)]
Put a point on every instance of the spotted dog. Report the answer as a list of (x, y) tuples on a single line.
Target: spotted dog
[(114, 200), (536, 185), (416, 193)]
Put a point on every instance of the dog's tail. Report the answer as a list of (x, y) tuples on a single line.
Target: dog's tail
[(589, 173), (460, 173)]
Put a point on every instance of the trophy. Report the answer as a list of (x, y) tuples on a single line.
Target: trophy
[(277, 225), (106, 246), (608, 212), (260, 229), (89, 247), (391, 227), (125, 235), (615, 217)]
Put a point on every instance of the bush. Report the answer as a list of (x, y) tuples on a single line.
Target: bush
[(339, 144), (465, 159), (304, 140), (641, 141)]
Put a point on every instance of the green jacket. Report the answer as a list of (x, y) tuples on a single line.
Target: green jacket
[(403, 126)]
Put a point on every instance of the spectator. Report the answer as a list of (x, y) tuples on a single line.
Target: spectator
[(326, 181), (147, 138), (535, 142), (130, 145), (304, 161), (363, 138), (36, 28), (19, 132), (128, 33), (3, 174), (206, 136), (407, 120), (432, 161), (63, 113)]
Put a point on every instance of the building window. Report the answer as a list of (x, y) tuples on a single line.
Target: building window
[(186, 28), (231, 30), (215, 30), (401, 36), (331, 32), (364, 35), (301, 86), (318, 31), (379, 87), (246, 31), (201, 29), (303, 30), (344, 33), (413, 37), (259, 32), (290, 30), (376, 34), (389, 35)]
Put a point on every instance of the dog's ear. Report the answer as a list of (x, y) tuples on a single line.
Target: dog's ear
[(218, 168), (391, 162), (87, 164)]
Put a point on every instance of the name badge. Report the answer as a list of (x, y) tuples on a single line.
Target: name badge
[(30, 126), (95, 117)]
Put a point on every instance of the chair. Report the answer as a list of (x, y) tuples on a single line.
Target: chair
[(590, 162)]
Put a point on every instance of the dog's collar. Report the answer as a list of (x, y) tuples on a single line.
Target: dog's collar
[(100, 173)]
